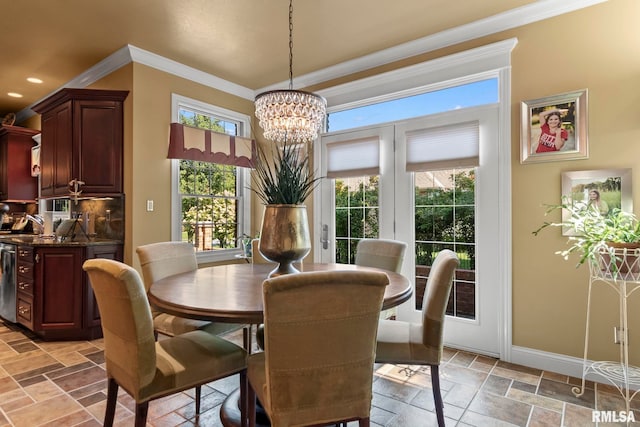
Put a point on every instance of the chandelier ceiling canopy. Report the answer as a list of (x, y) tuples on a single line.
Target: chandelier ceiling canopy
[(290, 115)]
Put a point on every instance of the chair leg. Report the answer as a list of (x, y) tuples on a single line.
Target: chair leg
[(198, 394), (251, 404), (141, 414), (364, 422), (437, 396), (243, 398), (112, 398)]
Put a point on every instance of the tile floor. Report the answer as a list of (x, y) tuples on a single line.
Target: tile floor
[(63, 384)]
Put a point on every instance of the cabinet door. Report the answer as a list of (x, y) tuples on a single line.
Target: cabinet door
[(92, 316), (98, 152), (56, 151), (16, 182), (58, 292)]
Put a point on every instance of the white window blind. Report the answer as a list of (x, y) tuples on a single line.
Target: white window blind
[(357, 157), (443, 147)]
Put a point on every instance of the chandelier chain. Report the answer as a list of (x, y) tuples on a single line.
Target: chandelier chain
[(290, 44)]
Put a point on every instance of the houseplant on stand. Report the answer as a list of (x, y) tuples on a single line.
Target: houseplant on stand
[(282, 180), (609, 242)]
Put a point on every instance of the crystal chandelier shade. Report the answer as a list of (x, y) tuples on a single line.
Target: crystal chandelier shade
[(290, 115)]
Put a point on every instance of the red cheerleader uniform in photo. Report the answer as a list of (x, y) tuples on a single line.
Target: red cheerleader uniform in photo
[(547, 140)]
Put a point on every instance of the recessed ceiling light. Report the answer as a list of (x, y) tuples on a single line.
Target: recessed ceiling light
[(34, 80), (14, 95)]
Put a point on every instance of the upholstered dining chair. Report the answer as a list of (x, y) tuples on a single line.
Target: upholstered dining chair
[(300, 383), (421, 343), (145, 368), (386, 254), (162, 259)]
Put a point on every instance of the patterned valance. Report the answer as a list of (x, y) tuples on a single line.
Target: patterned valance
[(189, 143)]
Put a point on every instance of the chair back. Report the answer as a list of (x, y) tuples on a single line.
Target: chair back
[(435, 300), (159, 260), (381, 253), (320, 340), (129, 344)]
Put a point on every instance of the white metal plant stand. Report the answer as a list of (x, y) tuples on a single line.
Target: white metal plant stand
[(620, 270)]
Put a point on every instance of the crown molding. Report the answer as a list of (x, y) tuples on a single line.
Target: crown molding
[(170, 66), (520, 16)]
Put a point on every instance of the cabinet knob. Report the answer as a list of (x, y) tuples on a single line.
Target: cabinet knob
[(23, 310), (37, 258), (23, 269), (23, 286)]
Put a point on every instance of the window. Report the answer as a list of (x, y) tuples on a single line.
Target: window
[(210, 201)]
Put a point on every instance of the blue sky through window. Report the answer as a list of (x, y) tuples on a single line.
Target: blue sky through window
[(468, 95)]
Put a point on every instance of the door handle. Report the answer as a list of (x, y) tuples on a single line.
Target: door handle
[(324, 238)]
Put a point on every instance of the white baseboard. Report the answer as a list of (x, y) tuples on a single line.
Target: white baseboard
[(546, 361)]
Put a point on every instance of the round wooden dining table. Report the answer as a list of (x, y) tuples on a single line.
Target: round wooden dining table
[(233, 292)]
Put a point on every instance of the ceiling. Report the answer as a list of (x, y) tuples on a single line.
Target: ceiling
[(242, 41)]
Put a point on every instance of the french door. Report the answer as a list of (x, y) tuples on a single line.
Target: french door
[(455, 208)]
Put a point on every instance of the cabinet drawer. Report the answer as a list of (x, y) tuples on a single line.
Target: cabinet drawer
[(25, 271), (24, 310), (25, 286), (25, 253)]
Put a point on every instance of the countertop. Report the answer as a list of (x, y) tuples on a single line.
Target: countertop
[(49, 241)]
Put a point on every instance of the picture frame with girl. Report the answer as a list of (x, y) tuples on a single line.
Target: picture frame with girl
[(554, 128)]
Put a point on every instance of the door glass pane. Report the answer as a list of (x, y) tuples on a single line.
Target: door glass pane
[(445, 219), (357, 214)]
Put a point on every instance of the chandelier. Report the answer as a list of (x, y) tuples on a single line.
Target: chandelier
[(290, 115)]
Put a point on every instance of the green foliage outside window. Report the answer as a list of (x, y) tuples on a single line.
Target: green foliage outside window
[(209, 201)]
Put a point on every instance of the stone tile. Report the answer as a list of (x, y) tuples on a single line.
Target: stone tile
[(28, 363), (497, 385), (395, 390), (16, 404), (8, 384), (208, 401), (541, 417), (553, 376), (92, 398), (523, 377), (536, 400), (45, 411), (462, 375), (519, 368), (80, 378), (460, 395), (78, 418), (43, 390), (483, 363), (561, 391), (388, 404), (529, 388), (501, 408), (37, 371), (576, 416), (462, 359), (475, 419), (414, 417), (70, 369), (24, 347), (380, 416), (79, 393)]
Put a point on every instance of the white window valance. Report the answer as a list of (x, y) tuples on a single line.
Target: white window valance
[(357, 157), (443, 147)]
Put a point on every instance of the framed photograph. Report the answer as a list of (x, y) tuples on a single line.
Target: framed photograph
[(554, 128), (605, 188)]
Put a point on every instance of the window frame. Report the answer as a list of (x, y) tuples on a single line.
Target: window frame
[(242, 185)]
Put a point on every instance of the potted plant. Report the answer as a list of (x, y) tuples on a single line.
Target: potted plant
[(283, 179), (610, 241)]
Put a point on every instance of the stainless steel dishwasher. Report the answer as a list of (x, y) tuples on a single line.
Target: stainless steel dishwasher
[(8, 282)]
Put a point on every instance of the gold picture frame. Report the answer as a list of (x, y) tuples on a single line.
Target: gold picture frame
[(566, 142)]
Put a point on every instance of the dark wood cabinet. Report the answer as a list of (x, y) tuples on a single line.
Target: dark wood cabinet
[(16, 182), (82, 142), (55, 299)]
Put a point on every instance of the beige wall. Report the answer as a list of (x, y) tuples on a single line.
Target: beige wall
[(599, 49)]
